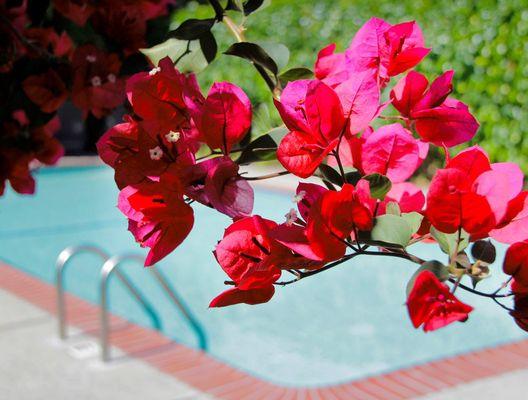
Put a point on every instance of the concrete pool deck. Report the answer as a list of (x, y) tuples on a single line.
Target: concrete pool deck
[(34, 364)]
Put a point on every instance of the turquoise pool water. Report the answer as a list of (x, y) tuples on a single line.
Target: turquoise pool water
[(346, 323)]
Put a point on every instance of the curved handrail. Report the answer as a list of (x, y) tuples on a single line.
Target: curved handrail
[(167, 288), (107, 269), (60, 266), (179, 303)]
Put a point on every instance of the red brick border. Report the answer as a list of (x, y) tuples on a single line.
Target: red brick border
[(211, 376)]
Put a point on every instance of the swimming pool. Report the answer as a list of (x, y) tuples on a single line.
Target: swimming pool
[(344, 324)]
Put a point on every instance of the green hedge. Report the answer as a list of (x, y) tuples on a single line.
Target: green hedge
[(485, 42)]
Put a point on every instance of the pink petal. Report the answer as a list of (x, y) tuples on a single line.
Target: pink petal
[(408, 91), (237, 296), (291, 106), (438, 92), (446, 125), (360, 99), (310, 194), (226, 116), (391, 151)]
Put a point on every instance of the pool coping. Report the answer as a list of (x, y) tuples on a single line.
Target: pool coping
[(220, 380)]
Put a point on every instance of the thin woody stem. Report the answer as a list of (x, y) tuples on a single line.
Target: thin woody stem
[(238, 33), (479, 293), (303, 275), (268, 176)]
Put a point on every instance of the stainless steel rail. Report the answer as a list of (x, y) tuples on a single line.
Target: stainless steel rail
[(60, 266), (106, 271)]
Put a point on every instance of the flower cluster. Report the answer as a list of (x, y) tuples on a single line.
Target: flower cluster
[(365, 150), (52, 52)]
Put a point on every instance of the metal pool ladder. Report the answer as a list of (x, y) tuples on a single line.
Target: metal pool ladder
[(110, 266)]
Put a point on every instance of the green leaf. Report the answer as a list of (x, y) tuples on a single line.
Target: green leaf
[(194, 61), (278, 52), (278, 133), (393, 208), (294, 74), (330, 174), (379, 185), (192, 29), (436, 267), (254, 53), (391, 230), (414, 219), (248, 6), (448, 241), (262, 148)]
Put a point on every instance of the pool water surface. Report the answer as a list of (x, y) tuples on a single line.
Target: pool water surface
[(344, 324)]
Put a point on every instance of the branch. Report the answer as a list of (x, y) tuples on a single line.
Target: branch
[(494, 295), (268, 176)]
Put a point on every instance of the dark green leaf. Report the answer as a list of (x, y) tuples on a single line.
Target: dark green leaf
[(379, 185), (484, 250), (294, 74), (248, 6), (353, 177), (330, 174), (208, 46), (261, 149), (278, 52), (192, 29), (254, 53)]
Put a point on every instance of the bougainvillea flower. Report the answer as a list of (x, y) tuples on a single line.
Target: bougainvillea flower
[(392, 151), (136, 156), (385, 49), (243, 254), (79, 11), (237, 296), (18, 150), (432, 304), (331, 217), (158, 216), (514, 225), (97, 87), (438, 119), (216, 183), (460, 195), (452, 204), (516, 263), (408, 196), (330, 66), (520, 311), (59, 45), (46, 90), (225, 116), (360, 99), (315, 124), (161, 97)]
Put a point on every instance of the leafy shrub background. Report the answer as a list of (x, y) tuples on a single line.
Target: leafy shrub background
[(485, 42)]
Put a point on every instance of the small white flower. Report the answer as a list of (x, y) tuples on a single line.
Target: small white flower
[(154, 71), (111, 78), (91, 58), (172, 136), (96, 81), (156, 153), (299, 196), (291, 217)]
